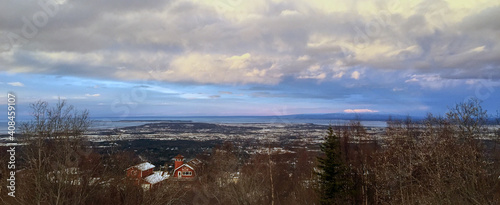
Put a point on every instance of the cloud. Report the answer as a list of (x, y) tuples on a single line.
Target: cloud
[(434, 81), (257, 42), (360, 111), (193, 96), (314, 72), (266, 95), (216, 68), (16, 84), (411, 80), (339, 74), (397, 89), (92, 95), (59, 98), (355, 75)]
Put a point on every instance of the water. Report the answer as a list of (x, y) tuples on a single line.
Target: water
[(4, 126), (114, 122), (134, 121)]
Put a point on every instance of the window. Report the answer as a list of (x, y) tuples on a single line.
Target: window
[(187, 173)]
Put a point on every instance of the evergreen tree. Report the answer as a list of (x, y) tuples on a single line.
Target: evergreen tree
[(333, 180)]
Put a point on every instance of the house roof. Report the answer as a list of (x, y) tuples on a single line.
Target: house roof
[(194, 162), (187, 165), (155, 178), (143, 166)]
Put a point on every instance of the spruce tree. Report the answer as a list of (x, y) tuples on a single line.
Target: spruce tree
[(333, 180)]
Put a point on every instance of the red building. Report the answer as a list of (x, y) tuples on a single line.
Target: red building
[(184, 170), (141, 170), (144, 175), (154, 180)]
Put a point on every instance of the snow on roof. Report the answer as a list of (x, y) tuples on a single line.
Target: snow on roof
[(155, 178), (187, 165), (144, 166), (162, 173), (194, 162)]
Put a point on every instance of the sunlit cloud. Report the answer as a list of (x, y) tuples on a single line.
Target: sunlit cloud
[(335, 53), (247, 43), (360, 111), (355, 75)]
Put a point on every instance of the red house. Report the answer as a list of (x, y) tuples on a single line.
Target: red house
[(184, 170), (141, 170), (143, 175), (154, 180)]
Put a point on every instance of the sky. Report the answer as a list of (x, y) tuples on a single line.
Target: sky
[(125, 58)]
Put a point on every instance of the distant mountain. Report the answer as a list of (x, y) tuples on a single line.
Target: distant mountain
[(353, 116), (492, 120)]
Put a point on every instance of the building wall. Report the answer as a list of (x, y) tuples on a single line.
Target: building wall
[(134, 173), (178, 163), (130, 173), (185, 169), (147, 172), (148, 186)]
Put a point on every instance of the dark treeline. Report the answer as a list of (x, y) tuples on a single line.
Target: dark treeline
[(451, 159)]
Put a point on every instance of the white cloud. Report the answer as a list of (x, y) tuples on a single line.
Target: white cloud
[(59, 98), (304, 58), (411, 80), (93, 95), (262, 42), (289, 13), (216, 68), (360, 111), (434, 81), (16, 84), (313, 72), (355, 75), (339, 74)]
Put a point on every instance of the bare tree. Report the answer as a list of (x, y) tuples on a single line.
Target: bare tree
[(436, 163), (468, 118), (53, 153)]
